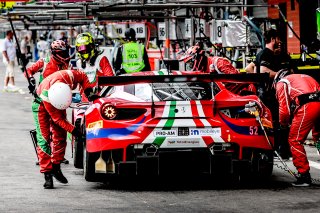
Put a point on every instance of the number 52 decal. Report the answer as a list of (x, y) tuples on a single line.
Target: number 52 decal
[(253, 130)]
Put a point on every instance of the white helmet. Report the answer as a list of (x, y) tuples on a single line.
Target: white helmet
[(60, 95)]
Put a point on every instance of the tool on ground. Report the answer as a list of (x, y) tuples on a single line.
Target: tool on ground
[(33, 135), (252, 109)]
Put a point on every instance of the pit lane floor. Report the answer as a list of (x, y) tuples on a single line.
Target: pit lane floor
[(21, 183)]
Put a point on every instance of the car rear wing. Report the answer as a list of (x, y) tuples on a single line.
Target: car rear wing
[(230, 78)]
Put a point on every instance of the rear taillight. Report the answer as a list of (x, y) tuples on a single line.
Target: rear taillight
[(108, 111)]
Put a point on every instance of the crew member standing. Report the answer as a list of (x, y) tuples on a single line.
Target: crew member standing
[(91, 60), (301, 92), (55, 97), (131, 56), (59, 60)]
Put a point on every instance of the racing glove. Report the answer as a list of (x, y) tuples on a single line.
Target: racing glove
[(76, 132), (32, 85)]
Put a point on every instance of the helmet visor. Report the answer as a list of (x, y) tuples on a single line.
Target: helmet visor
[(84, 49)]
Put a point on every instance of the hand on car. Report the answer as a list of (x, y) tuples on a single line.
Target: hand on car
[(76, 132)]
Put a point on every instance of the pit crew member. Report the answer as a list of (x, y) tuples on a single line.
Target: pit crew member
[(131, 56), (301, 92), (91, 60), (55, 97), (59, 60)]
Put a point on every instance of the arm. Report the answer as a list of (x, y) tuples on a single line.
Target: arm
[(284, 103), (250, 68), (4, 53), (118, 61), (36, 67), (146, 61), (82, 79), (264, 69), (58, 117), (106, 67)]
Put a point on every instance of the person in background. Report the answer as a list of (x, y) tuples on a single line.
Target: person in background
[(299, 111), (266, 61), (91, 60), (54, 97), (131, 56), (63, 37), (24, 51), (43, 47), (9, 55)]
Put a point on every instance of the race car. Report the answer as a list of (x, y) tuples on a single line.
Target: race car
[(158, 123)]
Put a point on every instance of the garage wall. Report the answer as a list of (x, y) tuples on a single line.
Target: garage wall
[(293, 17)]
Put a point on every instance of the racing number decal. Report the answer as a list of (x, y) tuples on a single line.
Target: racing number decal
[(253, 130)]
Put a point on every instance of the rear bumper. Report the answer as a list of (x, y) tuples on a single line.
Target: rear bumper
[(182, 163)]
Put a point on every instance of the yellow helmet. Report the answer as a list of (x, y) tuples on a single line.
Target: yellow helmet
[(85, 46)]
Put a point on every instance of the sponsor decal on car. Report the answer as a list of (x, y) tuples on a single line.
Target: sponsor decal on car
[(170, 133), (95, 125), (206, 132), (183, 143)]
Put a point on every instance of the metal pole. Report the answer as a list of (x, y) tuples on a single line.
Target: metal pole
[(19, 54), (167, 48)]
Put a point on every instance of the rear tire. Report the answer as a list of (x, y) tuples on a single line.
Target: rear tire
[(89, 160), (78, 149)]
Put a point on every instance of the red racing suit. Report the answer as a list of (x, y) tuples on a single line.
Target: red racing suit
[(51, 121), (49, 66), (221, 65), (101, 67), (305, 117)]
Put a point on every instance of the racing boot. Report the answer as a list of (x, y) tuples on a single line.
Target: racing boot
[(303, 180), (65, 161), (57, 174), (48, 184)]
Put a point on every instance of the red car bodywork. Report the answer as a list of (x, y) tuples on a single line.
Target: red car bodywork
[(217, 124)]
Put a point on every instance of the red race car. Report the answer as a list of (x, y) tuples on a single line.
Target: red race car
[(158, 123)]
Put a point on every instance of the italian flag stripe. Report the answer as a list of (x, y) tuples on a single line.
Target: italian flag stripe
[(195, 113), (167, 126)]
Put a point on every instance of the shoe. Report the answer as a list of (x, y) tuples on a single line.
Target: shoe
[(65, 161), (12, 88), (48, 184), (57, 174), (5, 89), (309, 142), (303, 180)]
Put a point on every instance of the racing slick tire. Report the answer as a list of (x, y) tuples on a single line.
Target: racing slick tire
[(261, 167), (78, 149), (89, 160)]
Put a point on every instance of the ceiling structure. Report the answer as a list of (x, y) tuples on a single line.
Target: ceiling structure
[(69, 13)]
